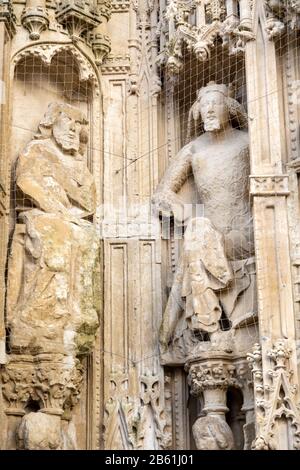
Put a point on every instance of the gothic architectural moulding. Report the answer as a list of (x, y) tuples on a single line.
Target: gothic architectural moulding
[(198, 24), (282, 17)]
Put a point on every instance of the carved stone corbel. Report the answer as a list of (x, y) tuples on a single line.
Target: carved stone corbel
[(35, 18), (280, 16), (214, 18), (78, 17), (100, 39)]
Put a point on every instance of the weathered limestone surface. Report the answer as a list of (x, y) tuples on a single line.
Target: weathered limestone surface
[(212, 284), (212, 433), (212, 273), (52, 304), (117, 332)]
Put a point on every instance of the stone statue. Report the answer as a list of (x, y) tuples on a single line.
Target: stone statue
[(51, 304), (212, 433), (218, 248)]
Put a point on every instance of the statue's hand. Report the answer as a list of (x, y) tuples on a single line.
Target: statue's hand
[(168, 204)]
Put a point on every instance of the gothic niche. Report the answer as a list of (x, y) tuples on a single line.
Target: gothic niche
[(52, 301), (212, 304)]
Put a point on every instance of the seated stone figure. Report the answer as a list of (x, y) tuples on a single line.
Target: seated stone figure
[(55, 248), (216, 265)]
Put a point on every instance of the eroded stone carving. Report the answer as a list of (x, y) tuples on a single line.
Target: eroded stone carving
[(39, 431), (216, 265), (55, 249), (78, 17), (281, 16), (212, 433), (52, 298)]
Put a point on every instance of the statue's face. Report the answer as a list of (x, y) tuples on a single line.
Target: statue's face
[(214, 111), (66, 132)]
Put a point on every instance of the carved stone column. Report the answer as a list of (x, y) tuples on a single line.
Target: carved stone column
[(211, 376)]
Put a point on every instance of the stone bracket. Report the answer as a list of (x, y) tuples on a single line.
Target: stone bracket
[(269, 185)]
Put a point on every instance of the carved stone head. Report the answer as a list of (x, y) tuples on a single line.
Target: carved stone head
[(212, 433), (216, 108), (213, 107), (67, 125)]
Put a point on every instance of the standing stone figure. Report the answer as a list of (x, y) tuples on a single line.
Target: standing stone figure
[(213, 270), (51, 304)]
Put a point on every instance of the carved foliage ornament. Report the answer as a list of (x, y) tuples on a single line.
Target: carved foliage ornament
[(213, 374), (52, 384), (281, 16), (212, 20), (46, 52)]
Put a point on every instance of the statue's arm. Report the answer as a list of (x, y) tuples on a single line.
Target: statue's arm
[(30, 170), (42, 198), (165, 197)]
